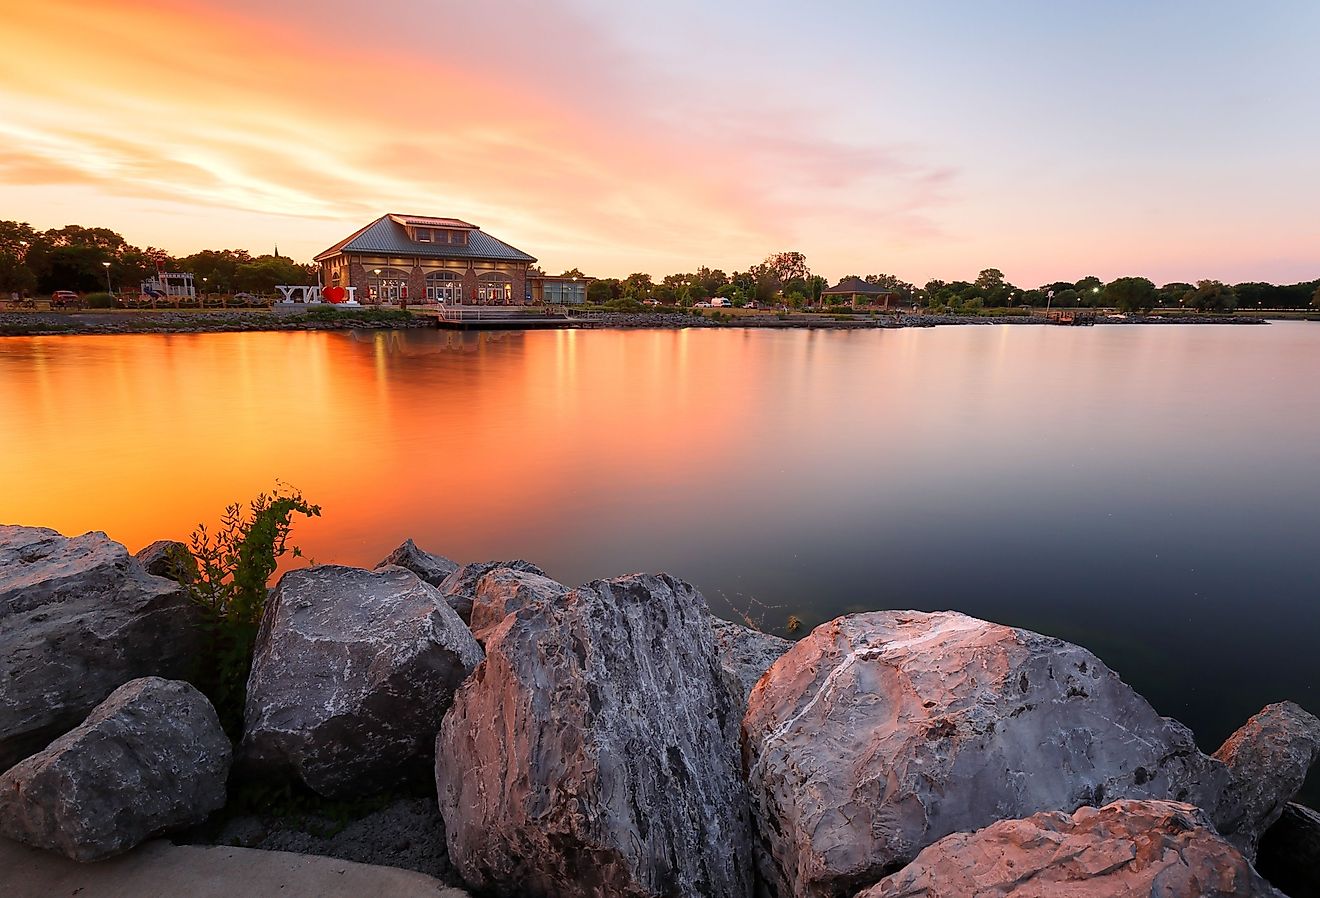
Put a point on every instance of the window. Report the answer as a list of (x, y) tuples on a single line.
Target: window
[(424, 235), (445, 287), (495, 289)]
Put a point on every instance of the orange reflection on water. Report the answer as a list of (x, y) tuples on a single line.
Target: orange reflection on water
[(495, 434)]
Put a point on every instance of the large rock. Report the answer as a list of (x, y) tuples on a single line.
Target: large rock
[(1268, 759), (745, 654), (1289, 854), (590, 753), (351, 674), (1128, 849), (150, 758), (431, 568), (79, 617), (505, 590), (460, 587), (168, 558), (882, 732)]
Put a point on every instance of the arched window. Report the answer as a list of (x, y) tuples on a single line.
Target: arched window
[(495, 289), (444, 287), (387, 284)]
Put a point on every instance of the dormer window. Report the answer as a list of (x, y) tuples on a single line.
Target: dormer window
[(424, 235)]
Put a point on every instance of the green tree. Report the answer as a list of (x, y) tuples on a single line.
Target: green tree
[(1212, 296), (637, 287), (1131, 294)]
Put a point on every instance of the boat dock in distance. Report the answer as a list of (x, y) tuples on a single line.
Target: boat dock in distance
[(452, 317)]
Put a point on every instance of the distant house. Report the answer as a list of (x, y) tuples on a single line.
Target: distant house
[(416, 258), (858, 293)]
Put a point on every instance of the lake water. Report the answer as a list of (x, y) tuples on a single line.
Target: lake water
[(1152, 493)]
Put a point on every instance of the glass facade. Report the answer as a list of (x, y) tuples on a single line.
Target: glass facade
[(561, 292)]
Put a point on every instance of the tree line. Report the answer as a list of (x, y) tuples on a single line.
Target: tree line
[(784, 278), (75, 258)]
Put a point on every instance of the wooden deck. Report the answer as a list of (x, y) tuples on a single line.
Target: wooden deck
[(465, 318)]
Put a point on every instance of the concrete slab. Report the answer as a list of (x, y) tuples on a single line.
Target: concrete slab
[(161, 870)]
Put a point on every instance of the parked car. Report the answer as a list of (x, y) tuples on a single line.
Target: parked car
[(719, 302), (702, 305), (63, 299)]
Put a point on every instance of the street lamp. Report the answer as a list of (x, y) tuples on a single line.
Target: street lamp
[(378, 297), (107, 277)]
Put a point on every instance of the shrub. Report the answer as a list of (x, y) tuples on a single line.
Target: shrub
[(101, 301), (233, 568)]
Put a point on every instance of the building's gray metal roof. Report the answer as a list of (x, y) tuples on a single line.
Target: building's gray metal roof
[(386, 236), (852, 285)]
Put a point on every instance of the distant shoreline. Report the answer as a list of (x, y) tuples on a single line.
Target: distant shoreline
[(27, 323)]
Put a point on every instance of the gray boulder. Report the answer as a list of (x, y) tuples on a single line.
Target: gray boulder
[(460, 587), (431, 568), (745, 654), (505, 590), (1268, 759), (150, 758), (1289, 854), (1128, 849), (168, 558), (79, 617), (590, 753), (351, 674), (880, 733)]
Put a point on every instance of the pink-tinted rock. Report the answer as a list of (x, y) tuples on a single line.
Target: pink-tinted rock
[(505, 590), (1268, 758), (590, 754), (1128, 849), (880, 733), (460, 587)]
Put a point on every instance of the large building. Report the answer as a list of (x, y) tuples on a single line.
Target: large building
[(415, 259)]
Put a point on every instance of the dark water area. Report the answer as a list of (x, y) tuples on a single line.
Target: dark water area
[(1152, 493)]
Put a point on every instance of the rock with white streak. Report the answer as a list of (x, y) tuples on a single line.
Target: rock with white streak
[(1268, 758), (149, 759), (79, 617), (1128, 849), (460, 587), (880, 733), (590, 754), (505, 590), (351, 675), (430, 567)]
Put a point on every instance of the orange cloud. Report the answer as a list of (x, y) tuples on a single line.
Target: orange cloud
[(295, 114)]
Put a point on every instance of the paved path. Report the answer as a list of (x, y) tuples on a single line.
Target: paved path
[(161, 870)]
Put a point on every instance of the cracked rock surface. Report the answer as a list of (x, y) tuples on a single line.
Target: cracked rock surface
[(150, 758), (880, 733), (1128, 849), (460, 587), (590, 754), (79, 617), (351, 674)]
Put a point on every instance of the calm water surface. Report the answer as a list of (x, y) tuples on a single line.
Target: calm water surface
[(1152, 493)]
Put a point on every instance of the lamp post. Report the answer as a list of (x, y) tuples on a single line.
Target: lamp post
[(107, 278), (376, 272)]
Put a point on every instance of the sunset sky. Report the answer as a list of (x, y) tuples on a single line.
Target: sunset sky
[(1176, 140)]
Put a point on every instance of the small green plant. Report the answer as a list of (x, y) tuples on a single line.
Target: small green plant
[(101, 301), (234, 566)]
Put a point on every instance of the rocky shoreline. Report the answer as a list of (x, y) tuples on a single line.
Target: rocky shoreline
[(615, 739), (35, 324)]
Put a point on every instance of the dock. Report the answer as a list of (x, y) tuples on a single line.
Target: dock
[(465, 318)]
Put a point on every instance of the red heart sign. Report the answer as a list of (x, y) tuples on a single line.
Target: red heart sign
[(334, 294)]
